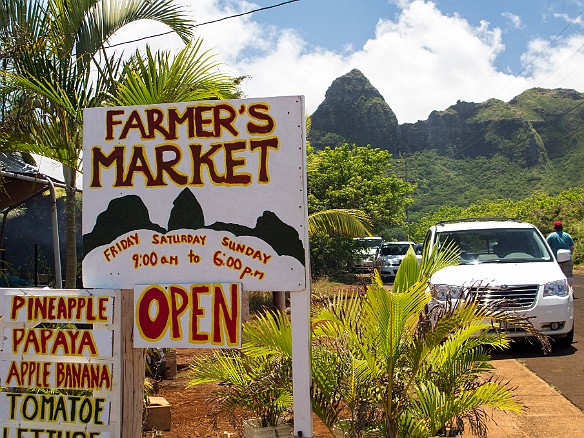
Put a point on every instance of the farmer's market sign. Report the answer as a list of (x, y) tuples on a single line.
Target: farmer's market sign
[(42, 349), (207, 191)]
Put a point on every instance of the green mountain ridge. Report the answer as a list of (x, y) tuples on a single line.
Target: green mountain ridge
[(469, 151)]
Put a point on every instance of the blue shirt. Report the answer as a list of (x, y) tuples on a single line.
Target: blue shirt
[(559, 240)]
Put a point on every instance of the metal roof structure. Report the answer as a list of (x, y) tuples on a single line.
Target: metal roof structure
[(19, 181)]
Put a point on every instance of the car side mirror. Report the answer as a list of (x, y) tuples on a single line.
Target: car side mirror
[(563, 255)]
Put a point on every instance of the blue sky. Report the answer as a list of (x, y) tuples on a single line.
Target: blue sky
[(353, 22), (421, 55)]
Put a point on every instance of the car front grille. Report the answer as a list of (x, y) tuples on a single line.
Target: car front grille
[(511, 297)]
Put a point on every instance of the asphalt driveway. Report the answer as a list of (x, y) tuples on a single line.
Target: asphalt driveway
[(564, 367), (551, 388)]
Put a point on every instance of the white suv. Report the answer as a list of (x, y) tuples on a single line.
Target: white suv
[(505, 259)]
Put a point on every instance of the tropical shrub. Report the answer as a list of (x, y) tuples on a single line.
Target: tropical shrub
[(258, 378), (332, 256), (385, 364)]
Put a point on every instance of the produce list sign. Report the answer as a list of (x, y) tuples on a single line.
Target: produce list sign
[(188, 315), (212, 192), (63, 340)]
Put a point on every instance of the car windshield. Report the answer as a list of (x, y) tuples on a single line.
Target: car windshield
[(369, 242), (396, 249), (497, 246)]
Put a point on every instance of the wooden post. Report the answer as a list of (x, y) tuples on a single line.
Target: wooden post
[(133, 362), (279, 300)]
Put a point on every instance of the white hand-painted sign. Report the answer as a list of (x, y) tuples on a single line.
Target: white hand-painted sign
[(55, 408), (59, 356), (188, 316), (203, 191)]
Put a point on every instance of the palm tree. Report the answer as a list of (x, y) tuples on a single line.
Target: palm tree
[(259, 378), (343, 222), (383, 364), (54, 46)]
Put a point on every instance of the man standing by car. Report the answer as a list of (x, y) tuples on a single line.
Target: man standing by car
[(561, 240)]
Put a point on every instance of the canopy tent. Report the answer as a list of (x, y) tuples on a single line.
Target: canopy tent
[(19, 182)]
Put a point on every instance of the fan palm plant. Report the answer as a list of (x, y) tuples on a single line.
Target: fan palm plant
[(384, 364)]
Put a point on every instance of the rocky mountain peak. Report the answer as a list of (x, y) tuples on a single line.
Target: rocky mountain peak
[(354, 111)]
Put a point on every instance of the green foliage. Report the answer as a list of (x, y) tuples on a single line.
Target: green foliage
[(189, 75), (357, 177), (540, 209), (331, 256), (441, 180), (383, 364), (559, 114), (331, 247), (495, 150), (350, 179), (495, 110), (257, 379)]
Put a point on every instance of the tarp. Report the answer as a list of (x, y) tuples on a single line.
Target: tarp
[(14, 190)]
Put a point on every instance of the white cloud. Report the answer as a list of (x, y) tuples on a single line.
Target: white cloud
[(568, 19), (559, 66), (423, 60), (427, 61), (514, 19)]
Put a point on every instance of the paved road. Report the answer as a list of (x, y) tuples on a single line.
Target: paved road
[(564, 367)]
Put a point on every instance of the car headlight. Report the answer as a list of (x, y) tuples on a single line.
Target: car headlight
[(558, 288), (446, 292)]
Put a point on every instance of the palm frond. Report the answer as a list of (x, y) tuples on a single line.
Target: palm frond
[(222, 367), (101, 19), (327, 396), (191, 75), (408, 273), (347, 222), (268, 334), (438, 257)]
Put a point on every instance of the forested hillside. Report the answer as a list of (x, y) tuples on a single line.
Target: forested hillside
[(469, 151)]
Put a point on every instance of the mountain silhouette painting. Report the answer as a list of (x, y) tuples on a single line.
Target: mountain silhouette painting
[(129, 213), (122, 215)]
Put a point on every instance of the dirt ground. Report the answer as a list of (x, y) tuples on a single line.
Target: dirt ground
[(190, 407)]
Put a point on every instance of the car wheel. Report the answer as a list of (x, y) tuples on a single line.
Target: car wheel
[(567, 340)]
